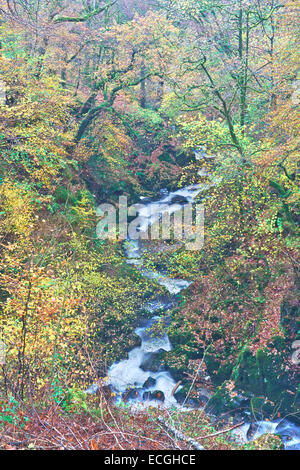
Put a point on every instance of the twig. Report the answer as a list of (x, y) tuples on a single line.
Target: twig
[(179, 435), (222, 432)]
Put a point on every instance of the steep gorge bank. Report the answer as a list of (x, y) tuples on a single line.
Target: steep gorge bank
[(150, 373)]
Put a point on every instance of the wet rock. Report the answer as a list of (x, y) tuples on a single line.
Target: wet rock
[(146, 363), (150, 382), (133, 341), (153, 362), (131, 394), (202, 400), (180, 395), (194, 402), (146, 200), (179, 200), (195, 398), (253, 427), (147, 396), (179, 398), (156, 395)]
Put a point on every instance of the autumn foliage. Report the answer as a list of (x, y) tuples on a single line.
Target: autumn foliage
[(99, 99)]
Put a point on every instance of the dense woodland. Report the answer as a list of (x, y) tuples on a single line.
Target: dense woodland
[(101, 99)]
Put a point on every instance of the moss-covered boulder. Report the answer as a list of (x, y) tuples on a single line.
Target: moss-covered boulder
[(227, 399), (218, 372), (260, 382)]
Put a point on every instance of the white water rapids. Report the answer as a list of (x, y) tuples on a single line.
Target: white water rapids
[(129, 372)]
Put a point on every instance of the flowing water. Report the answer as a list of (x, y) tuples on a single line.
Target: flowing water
[(133, 378), (133, 372)]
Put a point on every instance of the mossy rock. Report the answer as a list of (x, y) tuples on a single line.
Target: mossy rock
[(290, 403), (263, 376), (190, 397), (177, 361), (266, 442), (290, 315), (177, 336), (261, 407), (260, 374), (153, 362), (222, 401), (246, 374), (212, 364), (223, 373), (182, 393), (3, 295), (219, 373)]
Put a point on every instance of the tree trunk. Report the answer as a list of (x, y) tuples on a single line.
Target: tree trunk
[(143, 96)]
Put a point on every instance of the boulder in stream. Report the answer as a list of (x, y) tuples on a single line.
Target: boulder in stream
[(155, 395), (131, 394), (199, 401), (153, 362), (150, 382), (179, 200)]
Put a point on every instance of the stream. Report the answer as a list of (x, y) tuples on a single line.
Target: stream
[(148, 387), (132, 378)]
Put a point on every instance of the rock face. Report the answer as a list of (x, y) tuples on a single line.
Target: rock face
[(261, 384), (265, 381), (2, 93)]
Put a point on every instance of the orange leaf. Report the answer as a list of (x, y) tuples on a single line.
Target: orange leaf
[(94, 445)]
